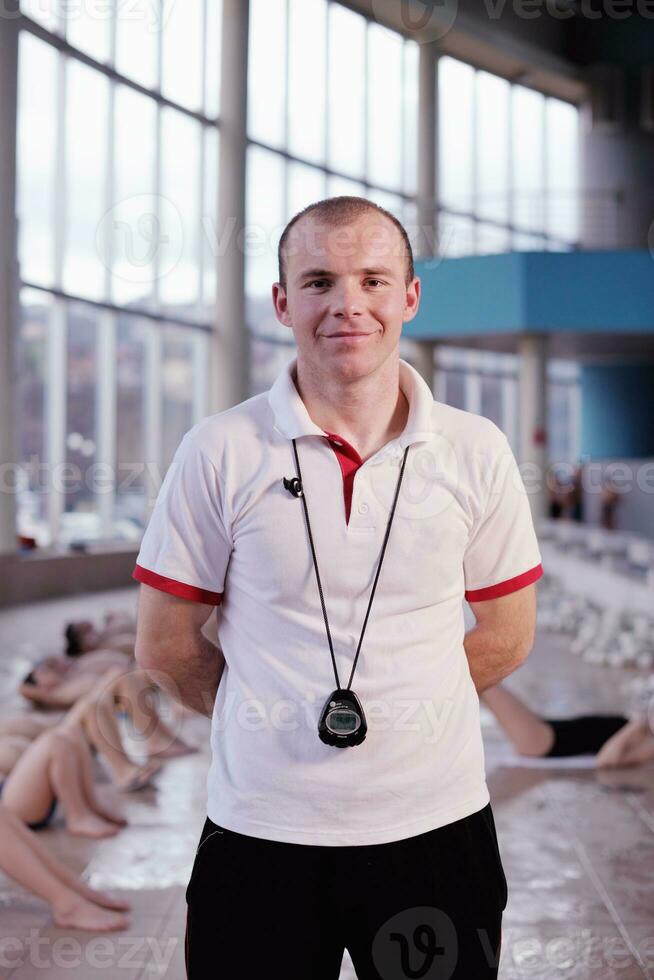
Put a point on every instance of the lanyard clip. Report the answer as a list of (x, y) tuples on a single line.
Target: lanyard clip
[(294, 486)]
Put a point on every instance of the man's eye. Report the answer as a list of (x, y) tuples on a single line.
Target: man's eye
[(378, 281), (319, 282)]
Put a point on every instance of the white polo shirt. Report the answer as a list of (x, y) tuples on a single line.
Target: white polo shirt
[(224, 530)]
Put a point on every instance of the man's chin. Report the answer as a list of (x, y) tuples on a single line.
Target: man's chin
[(351, 366)]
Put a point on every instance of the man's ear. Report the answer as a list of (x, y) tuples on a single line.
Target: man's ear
[(280, 302), (412, 299)]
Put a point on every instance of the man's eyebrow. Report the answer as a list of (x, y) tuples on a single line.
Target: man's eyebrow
[(311, 273), (379, 270)]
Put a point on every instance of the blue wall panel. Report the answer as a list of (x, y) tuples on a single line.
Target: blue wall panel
[(604, 291), (617, 415)]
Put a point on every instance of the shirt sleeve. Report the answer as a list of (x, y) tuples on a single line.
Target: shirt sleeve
[(502, 555), (186, 545)]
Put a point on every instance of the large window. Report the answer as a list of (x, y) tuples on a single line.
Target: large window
[(508, 180), (486, 383), (118, 149), (316, 130), (117, 187), (508, 165)]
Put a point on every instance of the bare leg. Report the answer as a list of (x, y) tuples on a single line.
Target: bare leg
[(50, 768), (11, 749), (100, 724), (78, 741), (529, 733), (23, 858)]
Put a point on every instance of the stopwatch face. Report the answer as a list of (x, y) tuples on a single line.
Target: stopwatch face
[(342, 721)]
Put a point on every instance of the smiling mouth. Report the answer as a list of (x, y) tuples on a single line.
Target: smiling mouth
[(346, 336)]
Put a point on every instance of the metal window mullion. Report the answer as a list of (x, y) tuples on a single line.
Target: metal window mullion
[(547, 203), (199, 368), (55, 416), (437, 207), (574, 415), (106, 420), (107, 416), (509, 409), (205, 36), (475, 182), (113, 35), (287, 42), (326, 132), (287, 168), (473, 390), (440, 376), (403, 123), (153, 401), (510, 166), (56, 380), (436, 202), (200, 243), (200, 236), (60, 203), (366, 105), (157, 172), (10, 315), (109, 194), (62, 26)]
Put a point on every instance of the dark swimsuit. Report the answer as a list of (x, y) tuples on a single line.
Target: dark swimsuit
[(583, 735)]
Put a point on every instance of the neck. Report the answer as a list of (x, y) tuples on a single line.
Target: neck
[(367, 412)]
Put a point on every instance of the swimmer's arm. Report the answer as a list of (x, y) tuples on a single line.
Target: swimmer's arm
[(100, 660), (61, 696), (502, 638), (122, 642), (171, 645)]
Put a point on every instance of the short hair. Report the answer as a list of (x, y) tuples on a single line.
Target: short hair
[(73, 645), (340, 211)]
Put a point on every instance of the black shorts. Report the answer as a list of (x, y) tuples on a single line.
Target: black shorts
[(429, 905), (583, 735)]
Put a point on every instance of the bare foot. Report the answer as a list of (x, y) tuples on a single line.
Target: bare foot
[(104, 899), (92, 826), (80, 914), (173, 750), (138, 777), (107, 813)]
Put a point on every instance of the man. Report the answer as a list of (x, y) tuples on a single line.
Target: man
[(277, 512)]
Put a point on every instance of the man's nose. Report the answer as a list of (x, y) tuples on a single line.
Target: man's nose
[(347, 301)]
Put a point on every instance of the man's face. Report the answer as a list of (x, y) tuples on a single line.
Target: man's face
[(346, 295)]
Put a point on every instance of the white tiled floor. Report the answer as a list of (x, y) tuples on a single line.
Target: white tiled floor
[(577, 845)]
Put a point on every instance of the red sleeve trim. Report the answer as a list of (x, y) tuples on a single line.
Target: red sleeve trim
[(505, 588), (176, 588)]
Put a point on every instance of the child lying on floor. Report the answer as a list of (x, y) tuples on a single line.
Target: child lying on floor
[(57, 764), (74, 905), (615, 739)]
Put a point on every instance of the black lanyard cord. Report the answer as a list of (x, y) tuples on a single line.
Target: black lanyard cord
[(315, 565)]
